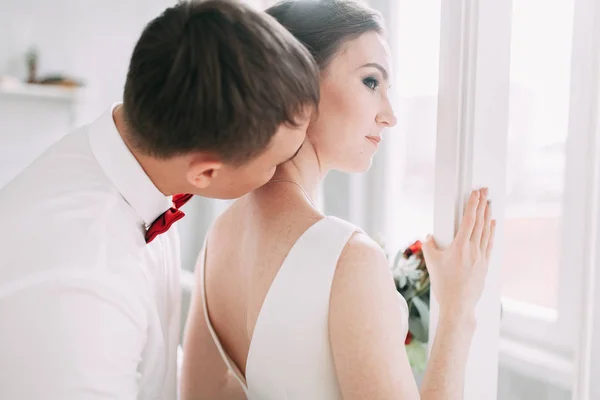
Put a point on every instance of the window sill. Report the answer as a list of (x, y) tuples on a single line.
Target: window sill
[(537, 363)]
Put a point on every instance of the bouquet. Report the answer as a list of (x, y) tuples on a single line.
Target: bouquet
[(412, 282)]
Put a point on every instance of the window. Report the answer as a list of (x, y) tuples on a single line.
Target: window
[(414, 41), (393, 201), (538, 125), (551, 186), (538, 282)]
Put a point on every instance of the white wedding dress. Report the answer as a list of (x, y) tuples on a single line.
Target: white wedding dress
[(290, 355)]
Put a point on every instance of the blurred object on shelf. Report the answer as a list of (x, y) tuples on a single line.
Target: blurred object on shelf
[(33, 62), (32, 57), (59, 80)]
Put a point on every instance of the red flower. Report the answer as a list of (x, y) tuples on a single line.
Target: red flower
[(413, 249), (416, 246), (409, 338)]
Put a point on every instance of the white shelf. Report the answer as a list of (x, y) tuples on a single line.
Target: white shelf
[(50, 92)]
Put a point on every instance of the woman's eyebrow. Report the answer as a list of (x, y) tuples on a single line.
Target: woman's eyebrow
[(378, 66)]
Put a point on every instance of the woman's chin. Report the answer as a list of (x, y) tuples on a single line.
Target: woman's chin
[(357, 167)]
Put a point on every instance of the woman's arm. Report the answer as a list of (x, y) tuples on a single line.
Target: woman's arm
[(366, 319), (458, 277), (366, 322)]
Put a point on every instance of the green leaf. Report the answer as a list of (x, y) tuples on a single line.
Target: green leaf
[(416, 328), (423, 309), (417, 355)]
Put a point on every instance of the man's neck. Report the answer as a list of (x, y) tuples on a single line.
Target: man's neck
[(157, 170)]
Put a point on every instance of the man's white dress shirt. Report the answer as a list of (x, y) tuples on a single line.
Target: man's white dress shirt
[(88, 310)]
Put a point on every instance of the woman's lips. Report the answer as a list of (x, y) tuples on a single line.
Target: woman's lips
[(374, 139)]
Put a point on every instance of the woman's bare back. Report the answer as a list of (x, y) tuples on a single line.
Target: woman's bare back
[(245, 249)]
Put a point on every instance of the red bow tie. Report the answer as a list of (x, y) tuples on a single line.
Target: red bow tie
[(168, 218)]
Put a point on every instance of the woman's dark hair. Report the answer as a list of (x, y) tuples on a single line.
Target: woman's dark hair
[(323, 26)]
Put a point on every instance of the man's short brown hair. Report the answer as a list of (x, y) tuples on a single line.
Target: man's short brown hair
[(215, 76)]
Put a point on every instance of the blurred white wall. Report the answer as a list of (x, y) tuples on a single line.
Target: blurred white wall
[(90, 40)]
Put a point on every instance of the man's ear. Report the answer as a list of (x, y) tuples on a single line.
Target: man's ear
[(202, 173)]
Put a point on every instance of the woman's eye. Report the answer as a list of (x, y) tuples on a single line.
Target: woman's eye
[(371, 83)]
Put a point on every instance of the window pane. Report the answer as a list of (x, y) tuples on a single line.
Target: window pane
[(415, 47), (538, 125)]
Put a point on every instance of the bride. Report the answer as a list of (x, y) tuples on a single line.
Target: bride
[(292, 304)]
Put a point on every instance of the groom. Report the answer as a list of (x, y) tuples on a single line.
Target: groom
[(216, 96)]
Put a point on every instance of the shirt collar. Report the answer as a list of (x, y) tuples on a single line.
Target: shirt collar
[(124, 171)]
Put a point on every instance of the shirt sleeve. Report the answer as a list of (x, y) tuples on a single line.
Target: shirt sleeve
[(70, 338)]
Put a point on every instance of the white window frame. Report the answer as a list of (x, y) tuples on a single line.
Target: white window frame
[(471, 152), (585, 127)]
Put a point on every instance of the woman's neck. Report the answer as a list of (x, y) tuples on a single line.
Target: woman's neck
[(306, 169)]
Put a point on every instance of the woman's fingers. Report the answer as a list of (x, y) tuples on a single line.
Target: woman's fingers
[(480, 218), (470, 216), (490, 244), (485, 236)]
